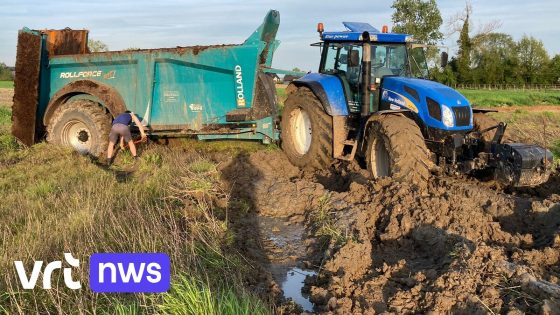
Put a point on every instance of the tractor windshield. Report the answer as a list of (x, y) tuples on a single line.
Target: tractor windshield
[(388, 59), (418, 63), (344, 60)]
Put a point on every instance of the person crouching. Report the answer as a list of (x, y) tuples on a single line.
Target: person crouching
[(121, 128)]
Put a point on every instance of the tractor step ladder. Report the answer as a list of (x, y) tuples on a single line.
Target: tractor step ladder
[(354, 146)]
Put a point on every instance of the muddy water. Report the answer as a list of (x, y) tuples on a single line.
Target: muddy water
[(293, 284), (283, 241)]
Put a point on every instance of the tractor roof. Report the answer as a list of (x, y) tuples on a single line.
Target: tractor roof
[(355, 31)]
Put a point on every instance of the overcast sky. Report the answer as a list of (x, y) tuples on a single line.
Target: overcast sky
[(167, 23)]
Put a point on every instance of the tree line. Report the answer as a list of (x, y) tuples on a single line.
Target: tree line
[(5, 73), (483, 57)]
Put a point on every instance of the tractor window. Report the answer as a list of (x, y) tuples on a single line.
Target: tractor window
[(418, 63), (344, 60), (388, 60)]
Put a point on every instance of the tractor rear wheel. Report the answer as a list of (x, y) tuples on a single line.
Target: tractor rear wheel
[(306, 131), (396, 148), (82, 125)]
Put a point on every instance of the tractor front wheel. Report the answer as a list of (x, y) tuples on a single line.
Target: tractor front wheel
[(396, 148), (82, 125), (306, 131)]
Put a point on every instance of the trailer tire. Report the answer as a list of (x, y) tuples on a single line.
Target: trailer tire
[(306, 131), (264, 104), (482, 121), (396, 148), (81, 124)]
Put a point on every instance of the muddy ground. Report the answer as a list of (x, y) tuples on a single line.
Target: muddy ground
[(459, 246)]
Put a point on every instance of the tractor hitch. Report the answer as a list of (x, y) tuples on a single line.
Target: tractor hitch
[(518, 164)]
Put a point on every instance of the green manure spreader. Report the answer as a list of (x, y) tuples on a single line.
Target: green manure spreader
[(69, 96)]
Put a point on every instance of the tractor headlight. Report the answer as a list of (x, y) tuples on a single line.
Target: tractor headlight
[(447, 116)]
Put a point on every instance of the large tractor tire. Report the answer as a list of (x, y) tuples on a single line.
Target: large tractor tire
[(306, 131), (482, 121), (81, 124), (396, 148)]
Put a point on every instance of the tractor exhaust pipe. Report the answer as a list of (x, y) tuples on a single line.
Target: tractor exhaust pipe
[(366, 75)]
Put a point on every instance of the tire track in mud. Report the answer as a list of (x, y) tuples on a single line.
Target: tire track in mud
[(449, 248)]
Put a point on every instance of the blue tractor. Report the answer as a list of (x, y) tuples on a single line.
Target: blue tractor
[(371, 101)]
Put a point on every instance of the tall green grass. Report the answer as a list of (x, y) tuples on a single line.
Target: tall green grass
[(192, 296), (281, 95), (6, 84), (56, 201)]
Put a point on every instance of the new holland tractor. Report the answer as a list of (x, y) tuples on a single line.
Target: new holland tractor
[(371, 101)]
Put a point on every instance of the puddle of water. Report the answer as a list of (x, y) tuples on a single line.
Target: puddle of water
[(293, 284), (284, 244)]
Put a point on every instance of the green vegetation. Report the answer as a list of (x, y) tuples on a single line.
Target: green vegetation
[(483, 57), (5, 73), (324, 226), (418, 17), (556, 149), (6, 84), (194, 296), (526, 126), (489, 98), (230, 147), (97, 46), (281, 95), (55, 201)]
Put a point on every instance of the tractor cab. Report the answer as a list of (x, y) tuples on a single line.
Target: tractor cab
[(390, 54)]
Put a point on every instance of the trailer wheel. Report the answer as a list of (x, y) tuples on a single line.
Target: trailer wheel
[(482, 121), (396, 148), (264, 104), (81, 124), (306, 131)]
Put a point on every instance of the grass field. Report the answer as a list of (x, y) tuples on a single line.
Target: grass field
[(6, 84), (486, 98), (527, 126), (56, 201)]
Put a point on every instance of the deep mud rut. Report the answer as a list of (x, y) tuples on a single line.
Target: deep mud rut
[(460, 246)]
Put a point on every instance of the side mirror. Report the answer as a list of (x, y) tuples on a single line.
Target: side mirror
[(354, 59), (444, 59)]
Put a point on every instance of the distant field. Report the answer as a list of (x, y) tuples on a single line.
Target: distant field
[(6, 84), (487, 98)]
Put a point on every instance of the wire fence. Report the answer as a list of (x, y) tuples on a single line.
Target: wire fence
[(516, 87)]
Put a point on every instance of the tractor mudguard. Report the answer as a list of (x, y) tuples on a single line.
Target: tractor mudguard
[(328, 90)]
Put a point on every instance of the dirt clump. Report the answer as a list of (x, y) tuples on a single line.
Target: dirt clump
[(456, 247)]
